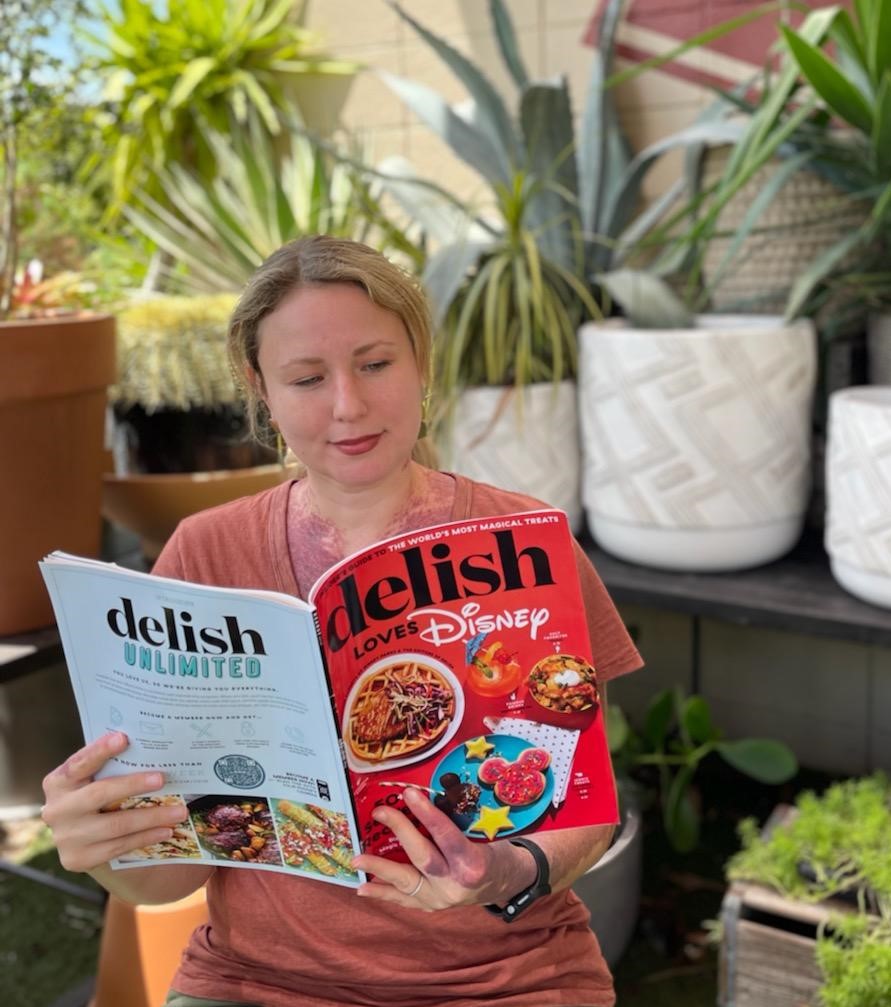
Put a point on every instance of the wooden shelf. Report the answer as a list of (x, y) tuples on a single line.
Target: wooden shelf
[(796, 593)]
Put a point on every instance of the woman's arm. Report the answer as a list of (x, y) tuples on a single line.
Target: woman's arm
[(448, 869), (87, 836)]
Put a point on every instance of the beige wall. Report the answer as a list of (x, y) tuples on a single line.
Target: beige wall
[(550, 34)]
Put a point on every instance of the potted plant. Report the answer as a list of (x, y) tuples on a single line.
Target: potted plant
[(696, 430), (829, 852), (180, 440), (176, 73), (175, 390), (508, 281), (54, 364), (656, 767)]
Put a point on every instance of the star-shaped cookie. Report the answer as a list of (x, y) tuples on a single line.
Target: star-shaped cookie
[(477, 748), (491, 821)]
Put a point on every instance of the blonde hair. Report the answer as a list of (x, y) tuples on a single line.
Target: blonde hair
[(313, 261)]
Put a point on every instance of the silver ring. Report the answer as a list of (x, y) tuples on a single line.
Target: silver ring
[(417, 887)]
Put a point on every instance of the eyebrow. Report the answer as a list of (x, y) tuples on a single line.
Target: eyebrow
[(359, 350)]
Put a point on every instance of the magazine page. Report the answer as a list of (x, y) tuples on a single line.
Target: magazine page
[(460, 663), (225, 692)]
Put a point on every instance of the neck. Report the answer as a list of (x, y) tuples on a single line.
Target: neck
[(364, 514)]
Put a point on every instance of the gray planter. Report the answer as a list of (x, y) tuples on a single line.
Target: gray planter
[(611, 888)]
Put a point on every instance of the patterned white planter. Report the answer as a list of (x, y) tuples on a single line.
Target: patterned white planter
[(696, 442), (530, 446), (858, 492)]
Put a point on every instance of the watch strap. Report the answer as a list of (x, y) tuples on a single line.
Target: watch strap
[(540, 886)]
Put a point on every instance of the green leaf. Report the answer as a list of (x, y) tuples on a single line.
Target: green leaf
[(646, 301), (445, 273), (617, 729), (507, 42), (471, 143), (679, 816), (546, 118), (657, 721), (820, 268), (194, 74), (824, 77), (703, 39), (879, 41), (591, 152), (696, 720), (763, 759), (766, 195), (493, 117), (881, 134), (627, 195)]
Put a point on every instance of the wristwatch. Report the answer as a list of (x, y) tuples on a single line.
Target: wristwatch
[(540, 886)]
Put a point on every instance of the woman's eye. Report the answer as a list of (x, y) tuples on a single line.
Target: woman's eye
[(377, 365), (308, 382)]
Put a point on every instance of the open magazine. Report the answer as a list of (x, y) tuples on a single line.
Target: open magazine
[(455, 659)]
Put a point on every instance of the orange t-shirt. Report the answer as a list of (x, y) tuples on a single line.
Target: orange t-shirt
[(283, 941)]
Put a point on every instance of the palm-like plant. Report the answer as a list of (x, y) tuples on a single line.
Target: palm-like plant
[(827, 109), (565, 208), (216, 233), (173, 76)]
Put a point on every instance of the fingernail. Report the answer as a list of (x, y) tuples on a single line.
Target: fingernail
[(117, 739), (154, 780)]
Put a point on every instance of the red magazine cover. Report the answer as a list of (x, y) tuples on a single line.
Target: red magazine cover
[(460, 662)]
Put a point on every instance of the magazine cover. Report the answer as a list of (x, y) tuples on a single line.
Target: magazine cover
[(455, 659), (460, 663), (224, 691)]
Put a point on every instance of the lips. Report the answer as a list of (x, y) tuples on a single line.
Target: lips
[(357, 445)]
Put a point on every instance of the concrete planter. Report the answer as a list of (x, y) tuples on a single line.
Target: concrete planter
[(858, 491), (696, 442), (530, 445), (611, 888)]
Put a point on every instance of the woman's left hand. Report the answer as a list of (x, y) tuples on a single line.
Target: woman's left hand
[(447, 869)]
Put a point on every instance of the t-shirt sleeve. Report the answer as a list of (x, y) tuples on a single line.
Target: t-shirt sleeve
[(613, 651), (170, 561)]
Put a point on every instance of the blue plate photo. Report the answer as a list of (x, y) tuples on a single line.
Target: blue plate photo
[(508, 748)]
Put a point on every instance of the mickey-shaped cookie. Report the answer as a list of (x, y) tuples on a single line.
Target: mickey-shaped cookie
[(520, 782)]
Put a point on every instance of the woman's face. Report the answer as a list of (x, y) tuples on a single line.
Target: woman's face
[(341, 381)]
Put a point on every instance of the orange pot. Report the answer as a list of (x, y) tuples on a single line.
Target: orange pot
[(152, 505), (53, 378)]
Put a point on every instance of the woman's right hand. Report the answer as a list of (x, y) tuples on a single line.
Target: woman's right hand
[(85, 835)]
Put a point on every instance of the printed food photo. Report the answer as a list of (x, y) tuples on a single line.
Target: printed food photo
[(236, 829), (564, 684), (314, 839), (399, 710)]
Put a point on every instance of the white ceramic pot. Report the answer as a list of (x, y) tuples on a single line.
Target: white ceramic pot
[(696, 442), (858, 491), (527, 442), (611, 888)]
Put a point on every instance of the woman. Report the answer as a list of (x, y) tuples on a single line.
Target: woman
[(334, 345)]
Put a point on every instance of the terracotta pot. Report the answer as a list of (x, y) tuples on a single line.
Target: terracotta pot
[(153, 505), (53, 377)]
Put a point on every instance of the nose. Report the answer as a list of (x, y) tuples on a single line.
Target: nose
[(349, 405)]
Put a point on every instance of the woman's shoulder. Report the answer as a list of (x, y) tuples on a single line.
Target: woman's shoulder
[(228, 543), (246, 513)]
